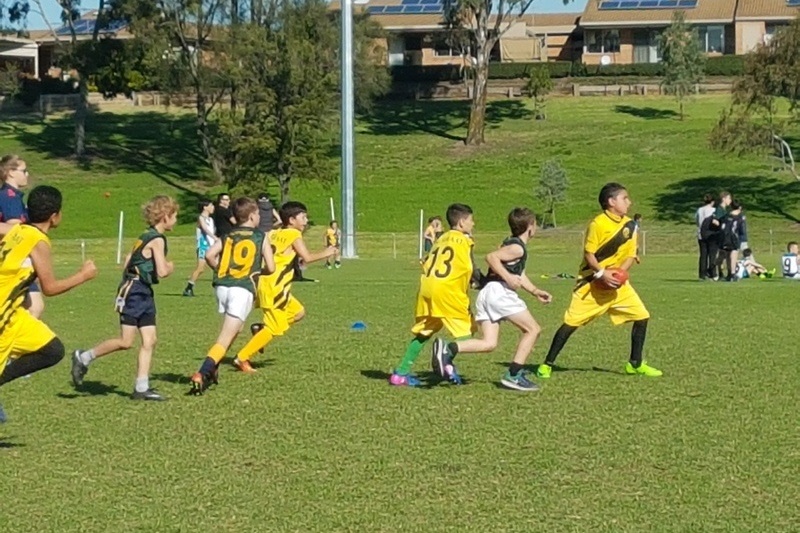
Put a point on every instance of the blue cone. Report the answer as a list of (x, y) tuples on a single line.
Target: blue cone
[(358, 326)]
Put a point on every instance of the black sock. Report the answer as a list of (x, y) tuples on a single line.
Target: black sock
[(208, 367), (45, 357), (638, 334), (514, 368), (559, 340), (453, 349)]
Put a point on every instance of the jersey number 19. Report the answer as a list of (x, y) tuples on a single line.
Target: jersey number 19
[(237, 259)]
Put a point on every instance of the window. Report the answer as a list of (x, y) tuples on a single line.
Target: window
[(771, 30), (442, 49), (602, 41), (712, 39)]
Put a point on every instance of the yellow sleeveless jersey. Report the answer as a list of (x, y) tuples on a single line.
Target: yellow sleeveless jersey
[(612, 239), (273, 289), (16, 268), (447, 269), (332, 237)]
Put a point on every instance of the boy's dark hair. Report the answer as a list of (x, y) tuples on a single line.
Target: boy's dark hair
[(520, 219), (708, 198), (202, 203), (242, 209), (289, 210), (747, 252), (332, 223), (431, 219), (609, 191), (790, 244), (456, 213), (263, 196), (222, 195), (736, 204), (637, 216), (44, 201)]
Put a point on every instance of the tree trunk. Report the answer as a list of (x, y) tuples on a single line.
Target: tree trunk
[(680, 105), (283, 181), (477, 111), (80, 117), (205, 138)]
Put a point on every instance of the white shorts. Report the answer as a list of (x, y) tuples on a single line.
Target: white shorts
[(496, 302), (234, 301)]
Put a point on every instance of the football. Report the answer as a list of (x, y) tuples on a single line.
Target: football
[(620, 275)]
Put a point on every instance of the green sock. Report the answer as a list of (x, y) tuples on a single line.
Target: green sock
[(412, 352)]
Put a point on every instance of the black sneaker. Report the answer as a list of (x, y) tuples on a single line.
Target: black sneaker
[(188, 291), (199, 384), (439, 357), (149, 394), (79, 370), (3, 416)]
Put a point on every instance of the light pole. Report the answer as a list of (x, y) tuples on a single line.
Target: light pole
[(348, 143)]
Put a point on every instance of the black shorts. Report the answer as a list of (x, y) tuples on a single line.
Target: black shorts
[(139, 309)]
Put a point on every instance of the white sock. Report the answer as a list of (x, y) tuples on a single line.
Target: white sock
[(142, 384), (86, 357)]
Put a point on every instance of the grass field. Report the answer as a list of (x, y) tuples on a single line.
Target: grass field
[(317, 440), (409, 158)]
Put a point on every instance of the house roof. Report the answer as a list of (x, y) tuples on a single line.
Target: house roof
[(14, 39), (707, 11), (766, 10)]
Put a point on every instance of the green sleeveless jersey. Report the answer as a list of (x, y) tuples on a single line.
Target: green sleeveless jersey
[(516, 267), (139, 266), (240, 259)]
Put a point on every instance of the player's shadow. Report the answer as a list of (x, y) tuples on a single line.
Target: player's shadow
[(533, 368), (6, 444), (171, 377), (429, 379), (94, 388)]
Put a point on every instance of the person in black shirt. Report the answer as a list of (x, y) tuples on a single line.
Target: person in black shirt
[(223, 217), (268, 213)]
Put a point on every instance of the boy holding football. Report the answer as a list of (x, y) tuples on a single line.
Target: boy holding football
[(498, 301), (442, 300), (608, 252)]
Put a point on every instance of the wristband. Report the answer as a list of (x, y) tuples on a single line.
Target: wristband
[(599, 273)]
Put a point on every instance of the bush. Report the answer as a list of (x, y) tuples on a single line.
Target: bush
[(433, 73), (725, 66), (31, 89)]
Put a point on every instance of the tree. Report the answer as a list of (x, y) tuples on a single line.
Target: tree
[(771, 72), (537, 87), (552, 187), (683, 59)]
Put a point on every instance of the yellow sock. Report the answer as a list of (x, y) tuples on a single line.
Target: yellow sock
[(217, 352), (259, 340)]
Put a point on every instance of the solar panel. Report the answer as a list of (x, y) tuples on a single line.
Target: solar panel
[(652, 4), (86, 27), (375, 9), (433, 9), (430, 2), (431, 6), (793, 3), (410, 2), (412, 9)]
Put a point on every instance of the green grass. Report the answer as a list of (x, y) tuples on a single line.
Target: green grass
[(317, 440), (409, 157)]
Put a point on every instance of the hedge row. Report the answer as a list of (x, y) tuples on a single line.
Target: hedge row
[(715, 66)]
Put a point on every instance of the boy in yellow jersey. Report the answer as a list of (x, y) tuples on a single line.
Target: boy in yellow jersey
[(610, 244), (24, 256), (281, 308), (333, 237), (237, 260), (443, 299)]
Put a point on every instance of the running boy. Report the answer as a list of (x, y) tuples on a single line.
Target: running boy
[(144, 267), (237, 262), (498, 301), (610, 244), (443, 299), (24, 256), (333, 237), (205, 233), (281, 308)]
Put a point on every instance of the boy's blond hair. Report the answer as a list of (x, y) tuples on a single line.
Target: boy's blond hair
[(7, 164), (158, 209)]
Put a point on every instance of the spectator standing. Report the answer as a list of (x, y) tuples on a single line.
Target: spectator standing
[(714, 252), (729, 240), (702, 218), (268, 213), (223, 217)]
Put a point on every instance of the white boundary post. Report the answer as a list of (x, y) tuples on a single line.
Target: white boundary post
[(83, 251), (333, 213), (644, 243), (394, 246), (119, 237), (421, 231)]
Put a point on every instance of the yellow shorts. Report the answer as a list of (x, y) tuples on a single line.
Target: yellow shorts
[(588, 302), (22, 335), (443, 309), (277, 321), (428, 326)]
